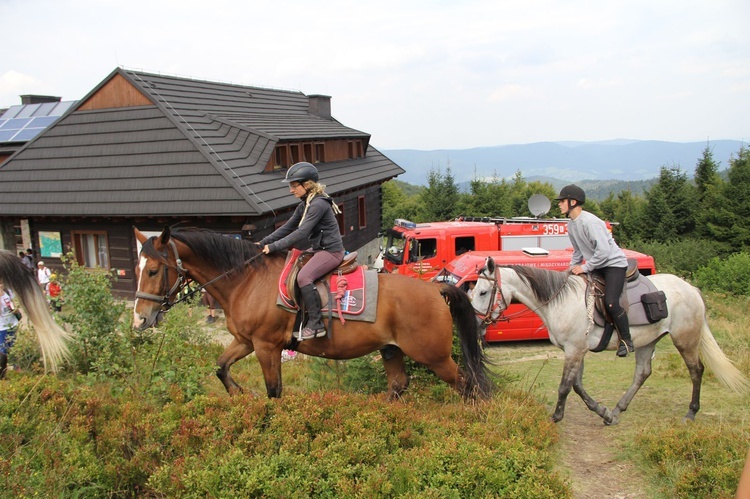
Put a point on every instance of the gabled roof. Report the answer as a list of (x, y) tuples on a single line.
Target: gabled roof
[(141, 144)]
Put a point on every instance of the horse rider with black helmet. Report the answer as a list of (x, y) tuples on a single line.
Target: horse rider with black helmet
[(312, 225), (593, 242)]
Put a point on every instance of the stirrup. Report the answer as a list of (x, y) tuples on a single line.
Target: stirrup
[(308, 333), (624, 348)]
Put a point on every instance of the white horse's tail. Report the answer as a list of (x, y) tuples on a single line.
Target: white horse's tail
[(722, 367), (52, 338)]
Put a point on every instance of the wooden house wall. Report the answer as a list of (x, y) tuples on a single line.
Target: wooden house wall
[(123, 257)]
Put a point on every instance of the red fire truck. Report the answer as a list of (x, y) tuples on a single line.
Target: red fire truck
[(422, 250), (523, 323), (453, 251)]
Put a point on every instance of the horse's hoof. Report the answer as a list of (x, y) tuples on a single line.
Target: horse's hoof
[(556, 418), (610, 420)]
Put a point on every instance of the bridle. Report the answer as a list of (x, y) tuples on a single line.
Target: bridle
[(498, 302), (182, 281)]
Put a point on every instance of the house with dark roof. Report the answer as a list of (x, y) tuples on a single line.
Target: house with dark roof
[(150, 151), (18, 125)]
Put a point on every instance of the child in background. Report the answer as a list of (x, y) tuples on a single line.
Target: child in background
[(53, 291)]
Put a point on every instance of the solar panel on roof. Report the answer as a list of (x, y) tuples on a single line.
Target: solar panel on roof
[(11, 112), (28, 133), (16, 123), (45, 109), (42, 121), (27, 110), (5, 136)]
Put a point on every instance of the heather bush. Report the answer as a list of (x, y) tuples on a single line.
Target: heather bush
[(696, 460), (97, 443)]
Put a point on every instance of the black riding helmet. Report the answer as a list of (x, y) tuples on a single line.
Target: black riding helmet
[(572, 191), (299, 172)]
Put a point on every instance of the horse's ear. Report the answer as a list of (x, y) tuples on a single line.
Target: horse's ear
[(163, 239), (140, 236), (490, 265)]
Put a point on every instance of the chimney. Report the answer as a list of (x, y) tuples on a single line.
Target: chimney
[(39, 99), (320, 105)]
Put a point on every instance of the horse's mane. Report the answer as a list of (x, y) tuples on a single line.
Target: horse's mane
[(547, 285), (222, 252)]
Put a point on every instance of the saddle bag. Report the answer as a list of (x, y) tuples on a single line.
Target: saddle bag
[(655, 305)]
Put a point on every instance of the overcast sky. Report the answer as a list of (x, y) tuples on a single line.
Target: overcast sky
[(418, 74)]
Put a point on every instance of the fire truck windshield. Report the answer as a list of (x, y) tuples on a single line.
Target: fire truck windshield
[(447, 277), (394, 247)]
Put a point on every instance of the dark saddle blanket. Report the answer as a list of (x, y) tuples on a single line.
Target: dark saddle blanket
[(348, 292), (643, 302)]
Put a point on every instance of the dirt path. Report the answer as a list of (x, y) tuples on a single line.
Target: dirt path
[(588, 455), (588, 448)]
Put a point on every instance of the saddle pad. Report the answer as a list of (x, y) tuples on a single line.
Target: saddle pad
[(632, 297), (359, 294)]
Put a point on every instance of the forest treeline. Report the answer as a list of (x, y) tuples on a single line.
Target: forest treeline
[(686, 223)]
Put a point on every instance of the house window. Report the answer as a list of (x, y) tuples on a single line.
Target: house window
[(350, 149), (360, 151), (362, 212), (294, 150), (282, 157), (308, 150), (91, 249), (340, 220), (320, 153)]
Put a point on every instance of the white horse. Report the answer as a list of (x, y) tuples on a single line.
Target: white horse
[(559, 300), (52, 338)]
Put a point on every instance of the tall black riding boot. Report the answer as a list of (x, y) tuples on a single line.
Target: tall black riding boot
[(314, 327), (623, 327), (3, 364)]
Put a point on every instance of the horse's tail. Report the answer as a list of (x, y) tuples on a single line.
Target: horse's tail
[(720, 364), (477, 382), (52, 338)]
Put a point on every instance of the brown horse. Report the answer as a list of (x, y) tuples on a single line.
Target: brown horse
[(413, 318), (52, 338)]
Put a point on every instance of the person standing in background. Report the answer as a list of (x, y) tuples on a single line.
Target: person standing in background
[(8, 325), (42, 276)]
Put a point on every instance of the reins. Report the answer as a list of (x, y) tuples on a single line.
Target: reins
[(182, 281)]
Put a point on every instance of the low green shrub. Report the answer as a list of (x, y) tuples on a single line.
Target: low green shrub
[(731, 275), (682, 257)]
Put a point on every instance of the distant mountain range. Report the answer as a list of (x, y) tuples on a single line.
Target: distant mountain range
[(563, 162)]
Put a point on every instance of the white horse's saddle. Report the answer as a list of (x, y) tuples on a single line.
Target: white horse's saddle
[(641, 300)]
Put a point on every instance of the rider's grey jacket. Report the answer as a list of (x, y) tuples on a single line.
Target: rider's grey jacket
[(592, 241), (319, 230)]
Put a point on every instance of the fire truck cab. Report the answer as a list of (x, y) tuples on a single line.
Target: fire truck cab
[(424, 249), (523, 324)]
